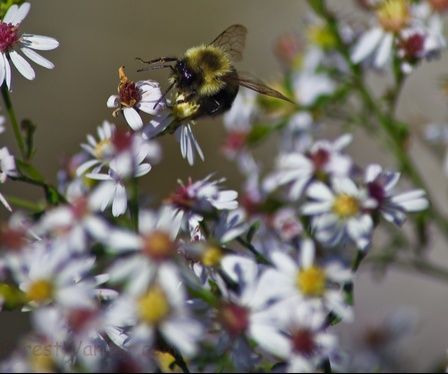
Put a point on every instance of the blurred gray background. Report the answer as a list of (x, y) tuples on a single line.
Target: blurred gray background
[(97, 37)]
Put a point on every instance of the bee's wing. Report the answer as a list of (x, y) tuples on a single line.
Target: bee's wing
[(253, 83), (232, 40)]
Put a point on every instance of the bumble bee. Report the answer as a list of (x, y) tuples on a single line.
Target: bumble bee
[(205, 77)]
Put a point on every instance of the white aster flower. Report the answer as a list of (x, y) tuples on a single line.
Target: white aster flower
[(72, 337), (303, 280), (340, 212), (75, 223), (246, 313), (11, 42), (128, 162), (146, 252), (48, 273), (196, 199), (159, 309), (298, 169), (305, 341), (101, 151), (392, 207), (133, 97)]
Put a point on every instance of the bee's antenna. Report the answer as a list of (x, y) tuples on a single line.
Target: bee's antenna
[(164, 94)]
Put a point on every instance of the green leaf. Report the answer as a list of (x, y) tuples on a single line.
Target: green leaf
[(29, 171)]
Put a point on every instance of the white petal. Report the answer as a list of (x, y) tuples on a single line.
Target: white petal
[(17, 14), (2, 69), (37, 58), (384, 51), (113, 101), (342, 142), (120, 202), (22, 65), (183, 333), (320, 191), (133, 118), (10, 14), (311, 208), (5, 203), (39, 42), (271, 340), (307, 254), (345, 185), (366, 44), (372, 172)]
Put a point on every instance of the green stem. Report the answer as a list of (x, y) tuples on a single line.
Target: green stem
[(17, 202), (259, 257), (13, 119)]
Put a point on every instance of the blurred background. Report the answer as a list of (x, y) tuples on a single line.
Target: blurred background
[(97, 37)]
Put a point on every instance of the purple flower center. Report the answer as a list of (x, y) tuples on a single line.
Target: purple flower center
[(376, 190), (8, 36)]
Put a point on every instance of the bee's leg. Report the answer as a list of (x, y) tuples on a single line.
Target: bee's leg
[(217, 108), (188, 98)]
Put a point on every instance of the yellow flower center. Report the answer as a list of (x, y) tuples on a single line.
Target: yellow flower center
[(212, 256), (166, 361), (393, 15), (311, 281), (320, 36), (346, 206), (41, 359), (103, 149), (153, 307), (158, 245), (41, 291)]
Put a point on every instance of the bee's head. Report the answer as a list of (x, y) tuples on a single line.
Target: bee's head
[(185, 77)]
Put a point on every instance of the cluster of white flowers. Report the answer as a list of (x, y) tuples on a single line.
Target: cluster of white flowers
[(212, 279)]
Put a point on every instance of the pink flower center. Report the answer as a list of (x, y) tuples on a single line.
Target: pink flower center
[(234, 318), (303, 342), (8, 36)]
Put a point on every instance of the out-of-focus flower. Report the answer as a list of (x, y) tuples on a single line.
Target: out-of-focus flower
[(131, 150), (197, 199), (392, 17), (324, 159)]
